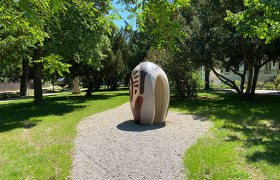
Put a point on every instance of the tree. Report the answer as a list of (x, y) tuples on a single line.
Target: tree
[(135, 50), (235, 51), (16, 39), (182, 72), (217, 44), (54, 68), (9, 72), (82, 39), (25, 23), (159, 19), (166, 31), (75, 30), (198, 21), (24, 76), (113, 65), (260, 19), (253, 55)]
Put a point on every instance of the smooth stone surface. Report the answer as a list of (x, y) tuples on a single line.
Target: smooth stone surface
[(149, 94)]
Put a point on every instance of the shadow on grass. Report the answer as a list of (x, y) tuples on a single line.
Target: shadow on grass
[(258, 120), (18, 114), (130, 125)]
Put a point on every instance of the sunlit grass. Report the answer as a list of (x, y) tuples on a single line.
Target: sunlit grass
[(37, 142), (244, 142)]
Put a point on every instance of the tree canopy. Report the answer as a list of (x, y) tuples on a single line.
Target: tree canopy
[(259, 19), (79, 36)]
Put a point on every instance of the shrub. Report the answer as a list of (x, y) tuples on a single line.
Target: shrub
[(187, 84), (269, 86), (183, 76), (8, 95), (219, 86), (276, 81), (260, 85)]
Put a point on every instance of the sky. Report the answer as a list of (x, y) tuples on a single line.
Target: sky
[(124, 14)]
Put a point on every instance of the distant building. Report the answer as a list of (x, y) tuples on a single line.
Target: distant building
[(267, 72)]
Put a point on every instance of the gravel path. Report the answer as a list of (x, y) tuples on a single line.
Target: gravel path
[(111, 146)]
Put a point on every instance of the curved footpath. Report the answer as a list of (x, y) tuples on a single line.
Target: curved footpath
[(110, 145)]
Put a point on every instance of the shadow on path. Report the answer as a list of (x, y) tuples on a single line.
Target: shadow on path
[(130, 125)]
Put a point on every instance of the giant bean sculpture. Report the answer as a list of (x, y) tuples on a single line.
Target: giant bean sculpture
[(149, 94)]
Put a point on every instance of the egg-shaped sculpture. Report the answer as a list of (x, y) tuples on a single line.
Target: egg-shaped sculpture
[(149, 94)]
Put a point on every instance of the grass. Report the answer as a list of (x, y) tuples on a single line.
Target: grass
[(244, 142), (37, 142)]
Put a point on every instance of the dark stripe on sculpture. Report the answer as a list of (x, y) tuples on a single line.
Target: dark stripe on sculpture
[(135, 72), (142, 81), (131, 86), (137, 109)]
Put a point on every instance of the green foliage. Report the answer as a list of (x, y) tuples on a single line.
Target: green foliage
[(9, 72), (8, 95), (25, 21), (25, 26), (219, 86), (276, 81), (113, 67), (16, 35), (161, 19), (182, 73), (260, 19), (82, 33), (243, 142), (82, 39), (53, 64), (76, 30), (269, 86), (37, 142), (134, 46), (215, 44)]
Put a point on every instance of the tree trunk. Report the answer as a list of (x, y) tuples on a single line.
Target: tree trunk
[(255, 80), (38, 67), (24, 76), (114, 85), (76, 88), (207, 77), (90, 89), (242, 83), (53, 80), (249, 83), (228, 82), (70, 83)]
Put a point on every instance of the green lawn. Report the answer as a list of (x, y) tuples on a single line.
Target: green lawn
[(37, 142), (244, 142)]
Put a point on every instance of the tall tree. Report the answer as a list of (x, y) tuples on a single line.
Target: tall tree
[(227, 49), (82, 38), (166, 32), (113, 65), (16, 39), (160, 19), (25, 23), (74, 29)]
